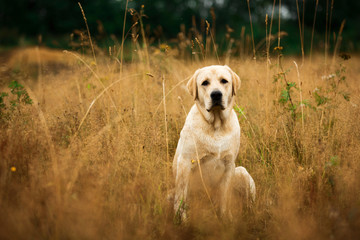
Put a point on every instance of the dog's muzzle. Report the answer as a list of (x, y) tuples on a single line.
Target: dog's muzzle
[(216, 99)]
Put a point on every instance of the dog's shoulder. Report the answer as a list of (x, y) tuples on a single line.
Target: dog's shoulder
[(191, 132), (194, 118), (234, 121)]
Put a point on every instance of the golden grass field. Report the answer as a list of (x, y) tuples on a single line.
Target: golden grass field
[(91, 157)]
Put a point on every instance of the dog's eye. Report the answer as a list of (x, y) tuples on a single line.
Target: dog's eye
[(205, 83), (223, 81)]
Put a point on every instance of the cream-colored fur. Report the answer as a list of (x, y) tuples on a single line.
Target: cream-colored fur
[(210, 140)]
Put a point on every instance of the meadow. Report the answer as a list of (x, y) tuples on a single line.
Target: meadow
[(87, 141)]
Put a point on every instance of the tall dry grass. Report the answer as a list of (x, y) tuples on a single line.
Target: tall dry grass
[(91, 157), (110, 178)]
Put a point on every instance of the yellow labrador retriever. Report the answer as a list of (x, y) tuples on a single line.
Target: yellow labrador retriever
[(210, 140)]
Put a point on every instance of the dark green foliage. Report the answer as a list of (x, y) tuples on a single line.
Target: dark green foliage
[(21, 94), (320, 99), (56, 20), (326, 96), (325, 100)]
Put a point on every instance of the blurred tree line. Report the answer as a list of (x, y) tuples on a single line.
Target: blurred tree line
[(57, 19)]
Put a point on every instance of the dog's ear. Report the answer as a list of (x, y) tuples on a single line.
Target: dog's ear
[(192, 86), (236, 82)]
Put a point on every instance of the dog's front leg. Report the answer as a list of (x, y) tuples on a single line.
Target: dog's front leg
[(225, 187), (181, 187)]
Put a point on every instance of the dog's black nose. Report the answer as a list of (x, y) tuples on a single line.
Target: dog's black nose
[(216, 96)]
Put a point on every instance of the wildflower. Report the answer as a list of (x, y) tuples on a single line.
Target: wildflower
[(192, 161), (164, 47), (13, 169), (330, 76)]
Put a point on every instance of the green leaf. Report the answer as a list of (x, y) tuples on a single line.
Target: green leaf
[(292, 107), (320, 100), (284, 97), (292, 84), (20, 92), (334, 161), (346, 96)]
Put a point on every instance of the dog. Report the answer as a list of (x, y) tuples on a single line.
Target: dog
[(209, 142)]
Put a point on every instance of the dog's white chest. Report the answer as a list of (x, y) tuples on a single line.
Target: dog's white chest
[(212, 159), (218, 144)]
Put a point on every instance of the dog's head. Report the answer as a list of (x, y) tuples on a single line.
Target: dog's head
[(213, 87)]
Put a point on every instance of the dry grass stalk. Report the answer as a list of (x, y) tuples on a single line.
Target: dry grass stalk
[(338, 41), (313, 30), (252, 31), (166, 130), (267, 45), (242, 42), (170, 91), (271, 21), (99, 96), (326, 35), (279, 35), (301, 29), (144, 38), (214, 43), (123, 38), (301, 97), (303, 21), (88, 31), (330, 19)]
